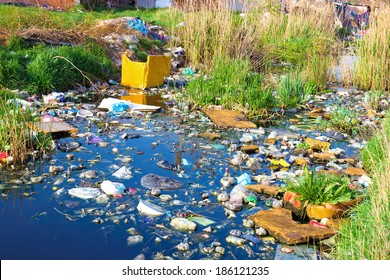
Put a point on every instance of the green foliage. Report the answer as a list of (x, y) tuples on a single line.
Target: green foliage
[(343, 119), (293, 91), (41, 69), (373, 98), (373, 155), (232, 84), (317, 188), (302, 146), (17, 135)]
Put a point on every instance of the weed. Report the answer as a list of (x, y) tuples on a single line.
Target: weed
[(41, 69), (373, 98), (366, 236), (317, 189), (233, 85), (343, 119), (17, 136), (293, 91)]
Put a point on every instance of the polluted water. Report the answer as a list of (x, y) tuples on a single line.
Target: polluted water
[(133, 183)]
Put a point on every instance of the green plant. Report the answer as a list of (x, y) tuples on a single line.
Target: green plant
[(373, 98), (233, 85), (317, 189), (293, 91), (41, 69), (343, 119), (17, 134), (366, 236), (302, 146)]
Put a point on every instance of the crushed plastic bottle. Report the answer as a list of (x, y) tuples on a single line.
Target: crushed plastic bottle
[(120, 107)]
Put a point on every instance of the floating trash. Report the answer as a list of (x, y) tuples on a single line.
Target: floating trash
[(153, 181), (84, 193)]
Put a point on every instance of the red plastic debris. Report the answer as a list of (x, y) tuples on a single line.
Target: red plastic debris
[(317, 224)]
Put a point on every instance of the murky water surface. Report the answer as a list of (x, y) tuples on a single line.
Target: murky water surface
[(38, 222)]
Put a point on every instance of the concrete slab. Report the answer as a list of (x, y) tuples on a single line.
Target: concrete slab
[(55, 127), (279, 224), (229, 119), (264, 189)]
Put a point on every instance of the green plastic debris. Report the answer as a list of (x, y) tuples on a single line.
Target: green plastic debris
[(251, 198)]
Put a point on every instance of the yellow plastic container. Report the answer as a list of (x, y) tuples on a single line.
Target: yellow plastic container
[(145, 74)]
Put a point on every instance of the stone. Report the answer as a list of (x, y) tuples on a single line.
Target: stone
[(261, 231), (353, 171), (269, 141), (287, 250), (210, 135), (182, 224), (300, 152), (302, 161), (264, 189), (279, 224), (317, 144), (326, 156), (229, 119), (250, 149), (153, 181), (235, 240)]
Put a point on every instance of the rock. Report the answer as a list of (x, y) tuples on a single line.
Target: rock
[(260, 231), (228, 118), (250, 149), (183, 246), (227, 181), (317, 145), (264, 189), (302, 161), (300, 152), (326, 156), (355, 171), (279, 223), (270, 141), (135, 239), (235, 232), (235, 240), (209, 135), (182, 224), (220, 250), (277, 204), (233, 206), (287, 250), (222, 197), (153, 181), (248, 223)]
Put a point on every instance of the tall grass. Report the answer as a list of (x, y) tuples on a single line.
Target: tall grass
[(372, 70), (211, 30), (293, 91), (367, 235), (17, 135)]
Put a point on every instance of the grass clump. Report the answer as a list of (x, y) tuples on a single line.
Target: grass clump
[(318, 189), (41, 69), (293, 91), (343, 119), (233, 85), (17, 136), (366, 236), (372, 69)]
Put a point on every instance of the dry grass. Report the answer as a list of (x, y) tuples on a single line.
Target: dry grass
[(372, 71)]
